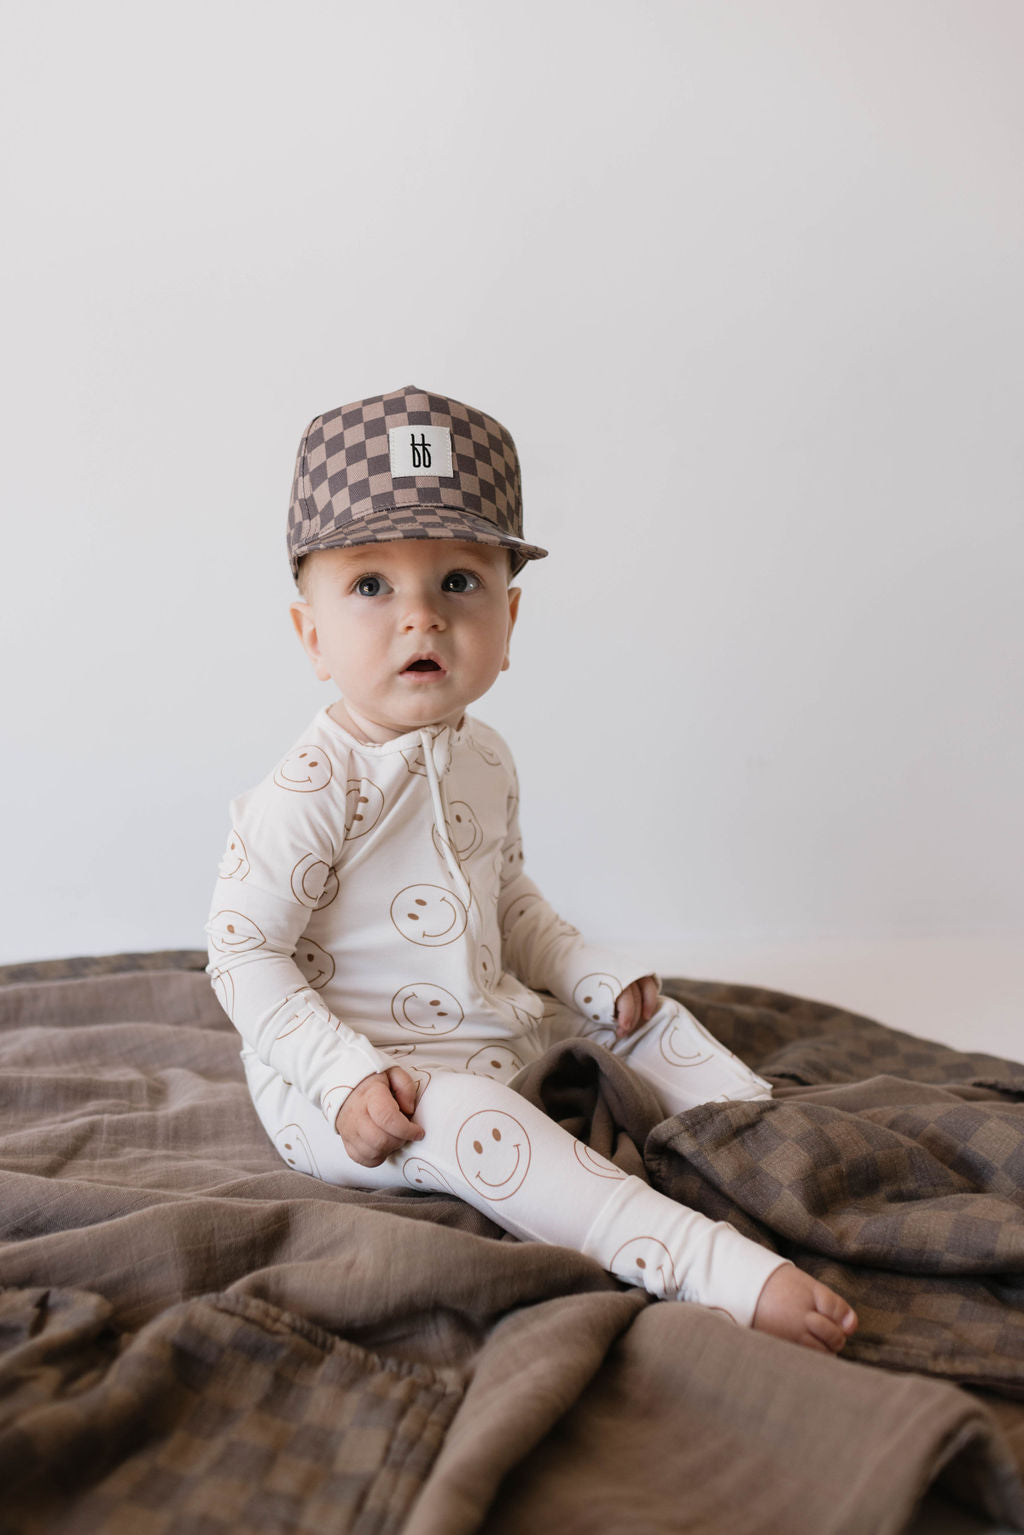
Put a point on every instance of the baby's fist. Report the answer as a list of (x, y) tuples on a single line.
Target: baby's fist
[(376, 1117), (637, 1004)]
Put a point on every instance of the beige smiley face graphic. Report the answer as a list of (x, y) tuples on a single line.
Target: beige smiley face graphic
[(314, 882), (429, 915), (235, 862), (647, 1262), (592, 1162), (314, 962), (493, 1152), (509, 913), (527, 1019), (304, 1011), (488, 969), (595, 997), (488, 753), (306, 770), (512, 859), (293, 1145), (427, 1009), (232, 932), (364, 806), (494, 1061), (465, 834), (424, 1176), (224, 989), (679, 1046), (442, 759)]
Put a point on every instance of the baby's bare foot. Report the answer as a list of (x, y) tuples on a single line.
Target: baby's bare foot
[(798, 1308)]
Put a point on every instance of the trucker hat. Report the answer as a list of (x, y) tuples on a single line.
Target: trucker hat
[(409, 464)]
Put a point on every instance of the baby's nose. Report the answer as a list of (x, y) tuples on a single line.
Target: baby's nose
[(423, 613)]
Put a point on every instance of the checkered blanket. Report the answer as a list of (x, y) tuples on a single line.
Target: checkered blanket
[(196, 1339), (888, 1166)]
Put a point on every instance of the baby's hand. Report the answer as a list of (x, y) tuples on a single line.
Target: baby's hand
[(375, 1118), (636, 1005)]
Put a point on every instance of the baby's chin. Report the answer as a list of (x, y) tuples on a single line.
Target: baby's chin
[(378, 726)]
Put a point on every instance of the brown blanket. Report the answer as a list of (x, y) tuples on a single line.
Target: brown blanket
[(194, 1338)]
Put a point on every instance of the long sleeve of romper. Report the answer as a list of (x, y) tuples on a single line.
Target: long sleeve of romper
[(278, 868), (547, 953)]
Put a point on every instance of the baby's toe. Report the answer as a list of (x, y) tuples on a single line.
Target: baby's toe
[(825, 1332), (834, 1310)]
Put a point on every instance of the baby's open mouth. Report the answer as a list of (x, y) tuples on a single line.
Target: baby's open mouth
[(423, 666)]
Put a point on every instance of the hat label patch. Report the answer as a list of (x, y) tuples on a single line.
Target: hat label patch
[(417, 450)]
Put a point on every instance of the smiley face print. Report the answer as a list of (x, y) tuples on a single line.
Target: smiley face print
[(511, 860), (364, 806), (681, 1046), (235, 862), (647, 1262), (493, 1153), (304, 1010), (314, 882), (224, 989), (488, 969), (306, 770), (465, 833), (595, 997), (495, 1061), (333, 1099), (442, 758), (593, 1162), (511, 912), (429, 915), (232, 932), (426, 1009), (314, 962), (488, 753), (423, 1176), (293, 1145), (527, 1019)]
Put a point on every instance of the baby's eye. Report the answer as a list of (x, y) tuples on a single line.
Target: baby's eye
[(371, 586), (460, 581)]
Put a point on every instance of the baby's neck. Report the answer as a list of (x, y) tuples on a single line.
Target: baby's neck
[(368, 732)]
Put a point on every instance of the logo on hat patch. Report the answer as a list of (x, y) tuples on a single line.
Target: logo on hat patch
[(420, 450)]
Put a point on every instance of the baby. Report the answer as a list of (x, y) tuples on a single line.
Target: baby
[(373, 935)]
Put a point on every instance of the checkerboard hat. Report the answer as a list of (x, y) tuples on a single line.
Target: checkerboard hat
[(409, 464)]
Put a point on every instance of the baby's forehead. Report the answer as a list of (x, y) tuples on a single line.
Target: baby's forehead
[(411, 552)]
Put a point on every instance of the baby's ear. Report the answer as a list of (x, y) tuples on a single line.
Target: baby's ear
[(305, 628), (514, 594)]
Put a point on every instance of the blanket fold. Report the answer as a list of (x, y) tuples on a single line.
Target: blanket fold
[(195, 1337)]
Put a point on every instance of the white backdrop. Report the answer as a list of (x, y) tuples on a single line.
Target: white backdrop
[(745, 282)]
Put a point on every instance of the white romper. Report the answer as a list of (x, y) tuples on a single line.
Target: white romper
[(372, 909)]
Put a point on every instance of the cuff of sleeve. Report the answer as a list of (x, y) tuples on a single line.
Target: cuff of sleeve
[(359, 1065), (592, 981), (732, 1269)]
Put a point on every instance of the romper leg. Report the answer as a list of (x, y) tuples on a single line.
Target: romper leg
[(490, 1147), (684, 1064)]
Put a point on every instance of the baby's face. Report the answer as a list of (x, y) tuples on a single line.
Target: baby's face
[(411, 632)]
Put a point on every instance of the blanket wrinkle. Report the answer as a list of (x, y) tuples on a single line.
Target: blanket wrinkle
[(746, 1453), (912, 1210), (538, 1363), (278, 1330), (223, 1413)]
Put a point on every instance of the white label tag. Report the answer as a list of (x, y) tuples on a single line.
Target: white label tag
[(421, 450)]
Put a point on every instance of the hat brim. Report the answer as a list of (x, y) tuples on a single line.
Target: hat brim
[(437, 522)]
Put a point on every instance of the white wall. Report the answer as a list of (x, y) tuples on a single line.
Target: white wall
[(745, 282)]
